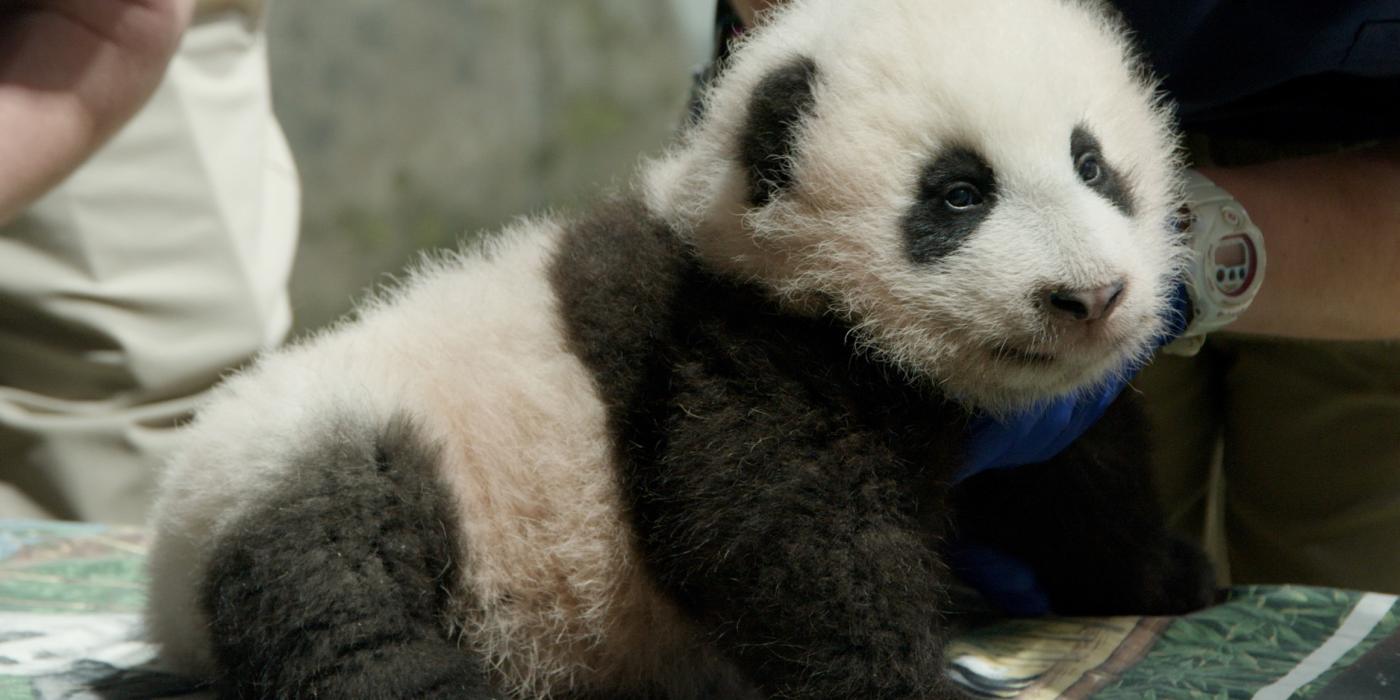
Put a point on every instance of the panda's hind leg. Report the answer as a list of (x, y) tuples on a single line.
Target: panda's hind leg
[(337, 586)]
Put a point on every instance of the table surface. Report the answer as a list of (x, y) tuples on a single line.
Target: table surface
[(71, 595)]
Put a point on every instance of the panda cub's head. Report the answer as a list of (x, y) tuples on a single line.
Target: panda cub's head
[(982, 188)]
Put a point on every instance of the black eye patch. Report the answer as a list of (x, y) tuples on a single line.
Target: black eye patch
[(1094, 171), (956, 193)]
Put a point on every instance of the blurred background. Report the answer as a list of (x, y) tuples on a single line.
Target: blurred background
[(416, 124)]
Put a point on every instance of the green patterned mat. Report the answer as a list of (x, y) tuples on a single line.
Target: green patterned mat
[(71, 594)]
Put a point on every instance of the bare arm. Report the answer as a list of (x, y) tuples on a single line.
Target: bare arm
[(1331, 225), (71, 73)]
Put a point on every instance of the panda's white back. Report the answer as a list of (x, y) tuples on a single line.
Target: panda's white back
[(472, 350)]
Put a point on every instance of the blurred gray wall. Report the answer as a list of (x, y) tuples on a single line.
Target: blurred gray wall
[(417, 122)]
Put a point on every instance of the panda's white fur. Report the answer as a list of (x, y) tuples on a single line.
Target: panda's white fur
[(471, 347)]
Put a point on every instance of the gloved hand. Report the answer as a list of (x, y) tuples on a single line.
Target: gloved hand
[(1005, 582), (1035, 434)]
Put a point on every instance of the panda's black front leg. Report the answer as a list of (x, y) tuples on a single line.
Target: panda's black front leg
[(797, 541), (1089, 525)]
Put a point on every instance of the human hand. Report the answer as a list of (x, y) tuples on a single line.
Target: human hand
[(1005, 582), (1035, 434), (71, 73)]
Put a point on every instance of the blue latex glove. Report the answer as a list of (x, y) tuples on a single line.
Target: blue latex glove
[(1031, 436), (1035, 434), (1006, 582)]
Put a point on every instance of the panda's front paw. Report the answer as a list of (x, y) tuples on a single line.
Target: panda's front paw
[(1189, 581), (1171, 577)]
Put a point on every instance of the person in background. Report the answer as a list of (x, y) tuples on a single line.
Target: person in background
[(1290, 419), (148, 219)]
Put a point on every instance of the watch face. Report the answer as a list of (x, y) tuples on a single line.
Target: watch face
[(1234, 265)]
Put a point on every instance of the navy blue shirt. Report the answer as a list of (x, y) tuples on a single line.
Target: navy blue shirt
[(1311, 70)]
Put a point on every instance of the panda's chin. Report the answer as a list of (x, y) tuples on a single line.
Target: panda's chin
[(1022, 358), (1010, 378)]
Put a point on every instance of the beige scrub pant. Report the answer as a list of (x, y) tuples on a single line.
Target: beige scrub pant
[(128, 290)]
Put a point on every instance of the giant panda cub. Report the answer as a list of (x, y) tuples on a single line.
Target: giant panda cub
[(700, 443)]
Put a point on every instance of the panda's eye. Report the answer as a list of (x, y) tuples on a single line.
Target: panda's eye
[(962, 195), (1090, 170)]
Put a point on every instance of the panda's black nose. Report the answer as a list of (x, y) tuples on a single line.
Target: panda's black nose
[(1082, 304)]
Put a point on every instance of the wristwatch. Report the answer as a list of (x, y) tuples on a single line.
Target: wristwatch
[(1227, 261)]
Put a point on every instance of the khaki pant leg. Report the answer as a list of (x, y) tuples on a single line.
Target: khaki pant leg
[(1183, 398), (129, 289), (14, 504), (1312, 460)]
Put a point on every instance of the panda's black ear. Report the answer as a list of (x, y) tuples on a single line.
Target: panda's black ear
[(766, 148)]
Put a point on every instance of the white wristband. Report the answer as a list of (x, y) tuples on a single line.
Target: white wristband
[(1227, 261)]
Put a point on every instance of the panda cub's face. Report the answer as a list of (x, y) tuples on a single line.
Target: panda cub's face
[(983, 189)]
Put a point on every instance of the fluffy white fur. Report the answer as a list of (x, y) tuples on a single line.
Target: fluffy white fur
[(898, 79), (472, 349)]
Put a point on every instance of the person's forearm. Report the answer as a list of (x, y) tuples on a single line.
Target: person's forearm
[(1331, 228), (71, 73)]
